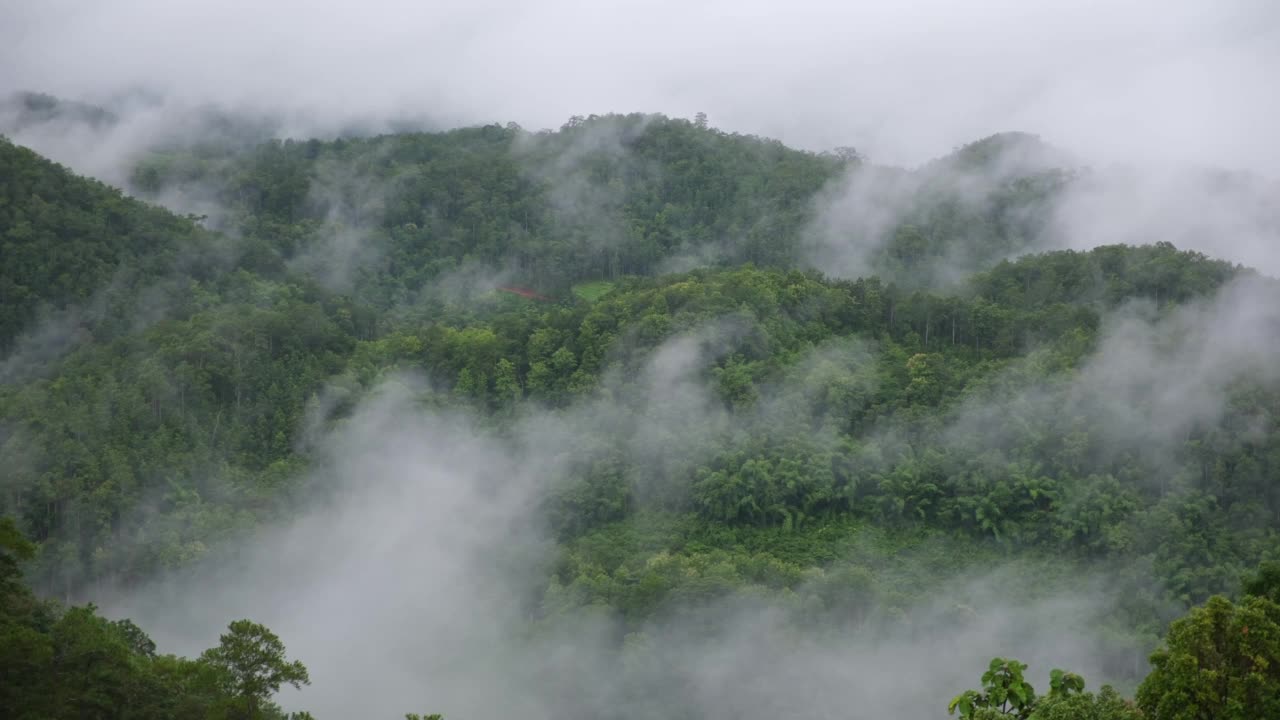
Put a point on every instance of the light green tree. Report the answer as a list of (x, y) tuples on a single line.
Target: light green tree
[(1006, 694), (251, 660)]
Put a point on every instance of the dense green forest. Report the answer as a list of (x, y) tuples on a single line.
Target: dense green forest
[(71, 662), (735, 423)]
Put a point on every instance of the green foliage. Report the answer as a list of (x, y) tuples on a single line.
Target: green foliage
[(818, 442), (1220, 661), (251, 661), (69, 243), (14, 550), (1006, 694), (592, 291), (1063, 684), (796, 359), (602, 198), (1265, 583), (1106, 705), (69, 663), (1003, 690)]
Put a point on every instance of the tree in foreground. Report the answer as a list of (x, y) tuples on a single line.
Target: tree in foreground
[(1006, 695), (251, 660), (1220, 662)]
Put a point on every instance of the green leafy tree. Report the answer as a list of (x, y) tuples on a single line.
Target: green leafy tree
[(251, 661), (1064, 684), (1006, 694), (1004, 690), (1220, 662)]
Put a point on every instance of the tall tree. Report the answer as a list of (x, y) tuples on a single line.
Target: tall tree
[(252, 661)]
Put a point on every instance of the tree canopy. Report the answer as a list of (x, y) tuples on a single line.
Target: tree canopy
[(746, 421)]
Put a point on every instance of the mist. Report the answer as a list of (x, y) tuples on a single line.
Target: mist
[(1140, 81), (419, 574), (415, 579), (1156, 379), (1165, 108)]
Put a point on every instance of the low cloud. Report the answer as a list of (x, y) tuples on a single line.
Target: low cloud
[(1144, 81), (1156, 380), (416, 580)]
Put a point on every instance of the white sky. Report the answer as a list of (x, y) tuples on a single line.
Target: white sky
[(1136, 81)]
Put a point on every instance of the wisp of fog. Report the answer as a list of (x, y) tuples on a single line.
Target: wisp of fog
[(1138, 81), (411, 578)]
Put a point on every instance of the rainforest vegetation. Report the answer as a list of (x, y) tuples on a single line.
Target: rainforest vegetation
[(743, 424)]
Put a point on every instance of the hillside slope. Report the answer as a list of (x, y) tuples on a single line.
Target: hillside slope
[(708, 423), (65, 239)]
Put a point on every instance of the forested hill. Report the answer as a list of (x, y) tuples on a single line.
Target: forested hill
[(730, 423), (602, 198), (72, 242)]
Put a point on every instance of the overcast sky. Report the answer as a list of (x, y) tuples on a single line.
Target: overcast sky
[(1136, 80)]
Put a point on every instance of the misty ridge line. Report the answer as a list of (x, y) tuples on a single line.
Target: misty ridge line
[(801, 433), (613, 150), (852, 232), (1191, 87), (674, 402)]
